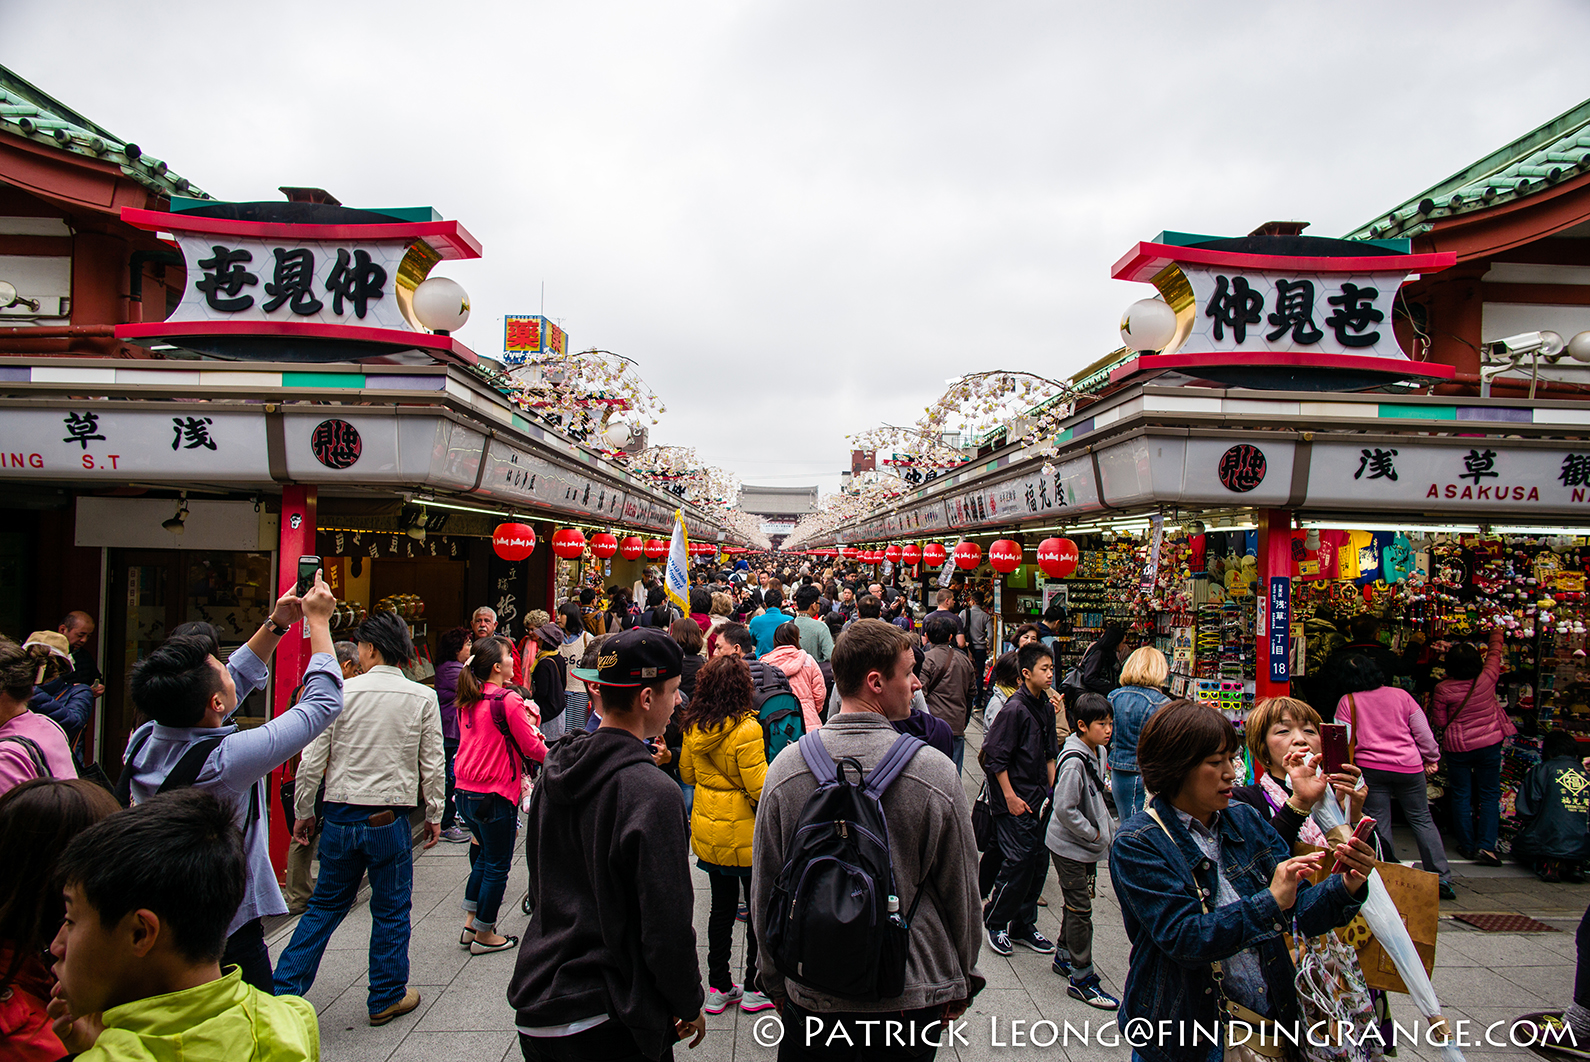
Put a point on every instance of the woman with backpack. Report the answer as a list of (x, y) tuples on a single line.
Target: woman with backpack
[(724, 758), (496, 735), (31, 745), (805, 677), (1465, 707)]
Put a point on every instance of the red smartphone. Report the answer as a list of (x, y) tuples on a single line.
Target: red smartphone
[(1365, 826), (1333, 747)]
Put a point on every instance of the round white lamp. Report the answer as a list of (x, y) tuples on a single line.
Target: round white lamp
[(618, 435), (1148, 324), (441, 305), (1579, 347)]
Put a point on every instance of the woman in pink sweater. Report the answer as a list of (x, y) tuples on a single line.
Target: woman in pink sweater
[(488, 771), (1396, 750), (1475, 724), (805, 677)]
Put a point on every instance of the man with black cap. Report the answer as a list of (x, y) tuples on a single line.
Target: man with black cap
[(608, 965)]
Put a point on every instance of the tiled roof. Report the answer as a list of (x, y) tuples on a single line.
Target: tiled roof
[(1556, 151), (30, 113)]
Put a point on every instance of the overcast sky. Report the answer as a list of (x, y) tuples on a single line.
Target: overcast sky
[(801, 218)]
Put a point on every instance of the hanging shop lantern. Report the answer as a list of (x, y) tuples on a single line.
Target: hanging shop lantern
[(968, 555), (1004, 556), (568, 543), (631, 548), (513, 542), (1057, 557), (911, 553), (849, 552), (603, 545), (933, 553), (893, 554), (656, 549)]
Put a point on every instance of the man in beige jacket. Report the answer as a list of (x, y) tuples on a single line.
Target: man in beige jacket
[(383, 751)]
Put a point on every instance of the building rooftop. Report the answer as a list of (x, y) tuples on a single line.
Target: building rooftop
[(33, 114), (1534, 163), (778, 501)]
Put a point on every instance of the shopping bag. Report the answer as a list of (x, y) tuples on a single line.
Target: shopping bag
[(1417, 896)]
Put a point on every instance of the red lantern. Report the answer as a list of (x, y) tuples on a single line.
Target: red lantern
[(933, 553), (631, 548), (603, 545), (1057, 557), (656, 549), (968, 555), (1004, 556), (893, 554), (911, 553), (849, 552), (568, 543), (513, 542)]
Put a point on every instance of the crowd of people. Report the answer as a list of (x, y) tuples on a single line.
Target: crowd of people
[(800, 733)]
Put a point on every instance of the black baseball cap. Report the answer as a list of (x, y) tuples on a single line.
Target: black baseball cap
[(639, 656)]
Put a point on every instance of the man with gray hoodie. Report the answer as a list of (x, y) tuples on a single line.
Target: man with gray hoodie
[(1080, 830)]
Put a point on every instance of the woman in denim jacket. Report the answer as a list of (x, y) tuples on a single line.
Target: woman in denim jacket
[(1139, 696), (1204, 881)]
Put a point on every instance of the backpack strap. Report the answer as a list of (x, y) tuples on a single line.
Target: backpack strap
[(497, 705), (124, 781), (1087, 764), (815, 753), (882, 776), (41, 767), (187, 769)]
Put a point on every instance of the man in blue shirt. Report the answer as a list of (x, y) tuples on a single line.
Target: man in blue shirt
[(763, 626)]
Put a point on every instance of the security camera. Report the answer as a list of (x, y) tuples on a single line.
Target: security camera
[(1543, 344)]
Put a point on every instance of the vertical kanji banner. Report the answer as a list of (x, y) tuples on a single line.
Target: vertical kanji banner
[(676, 581)]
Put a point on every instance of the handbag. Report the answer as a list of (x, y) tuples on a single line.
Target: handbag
[(1260, 1038), (982, 819)]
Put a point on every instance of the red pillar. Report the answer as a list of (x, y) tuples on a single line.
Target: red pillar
[(292, 654), (1273, 643)]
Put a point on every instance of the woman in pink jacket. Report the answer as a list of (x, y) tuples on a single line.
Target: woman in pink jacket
[(1396, 751), (805, 677), (1476, 725)]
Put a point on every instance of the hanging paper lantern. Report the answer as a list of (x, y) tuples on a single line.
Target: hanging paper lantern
[(849, 552), (968, 555), (933, 553), (603, 545), (656, 549), (1057, 557), (911, 553), (513, 542), (631, 548), (1004, 556), (893, 554), (568, 543)]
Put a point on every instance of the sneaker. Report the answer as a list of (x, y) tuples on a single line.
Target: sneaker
[(720, 1000), (1062, 964), (1487, 859), (742, 914), (751, 1002), (1089, 992), (999, 940), (410, 1000), (1549, 872), (1034, 940), (455, 835), (1447, 891)]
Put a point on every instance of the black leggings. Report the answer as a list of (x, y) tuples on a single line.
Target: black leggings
[(726, 891)]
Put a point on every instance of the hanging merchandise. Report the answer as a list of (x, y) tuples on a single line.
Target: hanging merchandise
[(513, 542)]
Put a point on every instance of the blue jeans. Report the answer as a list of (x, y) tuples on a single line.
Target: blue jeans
[(1127, 788), (1474, 782), (449, 808), (346, 853), (957, 752), (690, 797), (495, 823)]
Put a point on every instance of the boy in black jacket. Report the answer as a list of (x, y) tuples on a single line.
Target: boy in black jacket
[(1019, 756), (608, 968)]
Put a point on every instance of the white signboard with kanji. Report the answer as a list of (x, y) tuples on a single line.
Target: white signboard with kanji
[(1321, 313)]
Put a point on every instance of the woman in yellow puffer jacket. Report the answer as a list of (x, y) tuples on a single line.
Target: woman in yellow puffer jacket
[(724, 758)]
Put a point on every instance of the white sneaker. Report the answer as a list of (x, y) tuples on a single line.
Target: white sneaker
[(718, 1002), (752, 1002)]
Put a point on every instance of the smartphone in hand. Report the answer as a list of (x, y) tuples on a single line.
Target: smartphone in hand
[(307, 567), (1333, 747)]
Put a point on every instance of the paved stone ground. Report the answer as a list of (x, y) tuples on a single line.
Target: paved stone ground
[(464, 1015)]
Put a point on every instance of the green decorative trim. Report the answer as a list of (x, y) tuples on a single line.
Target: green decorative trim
[(352, 381), (1396, 411)]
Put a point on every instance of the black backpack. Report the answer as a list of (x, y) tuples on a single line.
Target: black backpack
[(777, 709), (828, 924), (184, 773)]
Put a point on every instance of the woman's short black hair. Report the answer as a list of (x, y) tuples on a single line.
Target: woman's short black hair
[(173, 685), (1463, 661), (1559, 743), (573, 619), (447, 648), (1359, 673), (700, 600), (1007, 669), (387, 634), (1176, 739), (1089, 709)]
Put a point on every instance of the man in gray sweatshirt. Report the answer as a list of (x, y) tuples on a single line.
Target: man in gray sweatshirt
[(930, 840), (1081, 827)]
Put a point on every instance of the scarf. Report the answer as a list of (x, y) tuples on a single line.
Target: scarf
[(1275, 793)]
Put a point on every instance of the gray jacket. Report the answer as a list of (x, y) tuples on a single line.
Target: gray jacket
[(1080, 826), (929, 817)]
